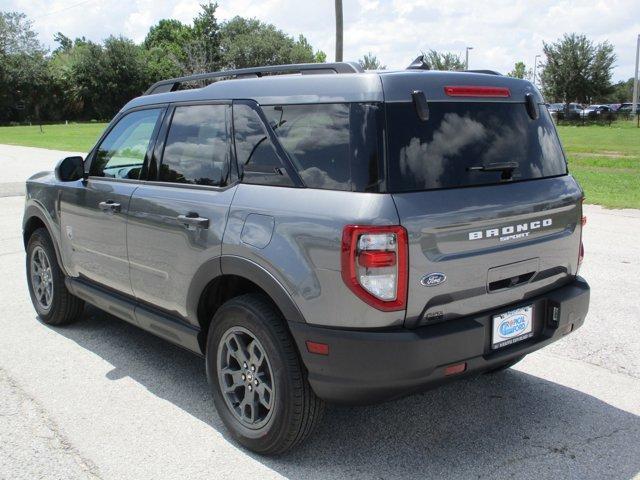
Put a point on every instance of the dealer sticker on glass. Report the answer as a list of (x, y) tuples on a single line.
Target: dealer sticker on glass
[(511, 327)]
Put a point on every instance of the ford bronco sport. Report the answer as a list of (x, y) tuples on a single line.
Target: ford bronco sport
[(319, 233)]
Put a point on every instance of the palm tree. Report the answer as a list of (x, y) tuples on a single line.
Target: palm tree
[(338, 30)]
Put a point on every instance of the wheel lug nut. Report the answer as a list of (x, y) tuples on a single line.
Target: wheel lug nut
[(253, 368), (243, 377), (250, 388), (244, 365), (255, 382)]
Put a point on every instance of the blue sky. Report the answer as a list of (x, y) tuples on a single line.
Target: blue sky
[(501, 31)]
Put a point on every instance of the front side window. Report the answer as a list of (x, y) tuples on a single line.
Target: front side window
[(197, 146), (122, 152)]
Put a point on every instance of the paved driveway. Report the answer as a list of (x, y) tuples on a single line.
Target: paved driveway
[(102, 399)]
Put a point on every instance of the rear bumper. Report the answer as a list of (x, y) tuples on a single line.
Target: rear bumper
[(372, 366)]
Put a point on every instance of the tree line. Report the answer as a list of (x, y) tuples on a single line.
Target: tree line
[(574, 70), (85, 80)]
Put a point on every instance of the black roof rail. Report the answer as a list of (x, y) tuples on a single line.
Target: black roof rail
[(488, 72), (172, 84)]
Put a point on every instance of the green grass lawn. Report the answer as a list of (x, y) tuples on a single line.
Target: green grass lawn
[(605, 160), (75, 137)]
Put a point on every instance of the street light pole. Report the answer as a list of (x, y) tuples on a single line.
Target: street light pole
[(535, 68), (635, 81), (466, 60)]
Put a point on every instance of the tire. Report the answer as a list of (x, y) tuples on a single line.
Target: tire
[(294, 410), (58, 307), (504, 366)]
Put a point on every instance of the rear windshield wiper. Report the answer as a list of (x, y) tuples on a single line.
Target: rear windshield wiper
[(506, 168)]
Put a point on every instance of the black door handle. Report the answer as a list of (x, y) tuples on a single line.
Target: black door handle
[(192, 219), (109, 206)]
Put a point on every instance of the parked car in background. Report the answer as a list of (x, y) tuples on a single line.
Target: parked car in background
[(555, 107), (593, 111), (627, 107), (561, 111)]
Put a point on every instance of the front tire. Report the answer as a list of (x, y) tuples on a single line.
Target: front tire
[(259, 384), (52, 301)]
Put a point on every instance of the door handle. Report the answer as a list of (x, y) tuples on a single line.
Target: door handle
[(192, 219), (109, 206)]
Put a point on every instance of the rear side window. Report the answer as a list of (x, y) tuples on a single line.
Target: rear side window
[(122, 152), (197, 146), (257, 157), (442, 151), (333, 146)]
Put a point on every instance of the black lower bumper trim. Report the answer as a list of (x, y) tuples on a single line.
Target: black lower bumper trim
[(372, 366)]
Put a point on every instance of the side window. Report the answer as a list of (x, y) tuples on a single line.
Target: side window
[(316, 137), (257, 158), (121, 154), (197, 146)]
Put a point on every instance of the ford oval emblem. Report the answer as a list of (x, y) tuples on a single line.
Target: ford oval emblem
[(433, 279)]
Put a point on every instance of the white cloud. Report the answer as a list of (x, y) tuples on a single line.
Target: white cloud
[(501, 31)]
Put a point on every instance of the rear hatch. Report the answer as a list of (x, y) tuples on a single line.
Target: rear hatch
[(481, 186)]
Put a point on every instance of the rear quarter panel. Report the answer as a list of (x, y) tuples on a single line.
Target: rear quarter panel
[(303, 251)]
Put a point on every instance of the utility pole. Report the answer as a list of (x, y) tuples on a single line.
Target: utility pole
[(535, 68), (466, 58), (634, 105), (338, 30)]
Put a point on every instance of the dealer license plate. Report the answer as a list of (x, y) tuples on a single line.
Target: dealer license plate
[(512, 326)]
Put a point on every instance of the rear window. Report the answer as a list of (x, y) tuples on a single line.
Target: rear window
[(438, 153), (334, 146)]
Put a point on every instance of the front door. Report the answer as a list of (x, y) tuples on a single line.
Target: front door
[(93, 214), (177, 220)]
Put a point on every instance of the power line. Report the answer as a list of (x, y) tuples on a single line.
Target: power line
[(62, 9)]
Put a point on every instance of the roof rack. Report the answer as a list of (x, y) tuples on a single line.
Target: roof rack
[(172, 84), (488, 72)]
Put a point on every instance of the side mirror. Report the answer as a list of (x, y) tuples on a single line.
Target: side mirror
[(70, 169)]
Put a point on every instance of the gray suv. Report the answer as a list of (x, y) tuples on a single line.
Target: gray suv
[(319, 234)]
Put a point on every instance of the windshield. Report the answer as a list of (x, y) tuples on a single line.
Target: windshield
[(464, 143)]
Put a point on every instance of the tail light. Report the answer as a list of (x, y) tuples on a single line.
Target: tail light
[(374, 265)]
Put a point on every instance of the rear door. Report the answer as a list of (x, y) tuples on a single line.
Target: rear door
[(178, 216), (483, 191)]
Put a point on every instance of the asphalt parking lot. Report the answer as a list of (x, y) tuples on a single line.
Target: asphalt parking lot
[(102, 399)]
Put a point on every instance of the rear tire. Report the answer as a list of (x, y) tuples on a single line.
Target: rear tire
[(52, 301), (259, 383)]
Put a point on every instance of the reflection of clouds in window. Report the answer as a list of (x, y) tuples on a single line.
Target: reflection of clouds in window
[(453, 135), (551, 151), (507, 145), (315, 178), (197, 145), (317, 139)]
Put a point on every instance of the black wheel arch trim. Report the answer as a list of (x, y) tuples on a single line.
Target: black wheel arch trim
[(234, 265), (35, 210)]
